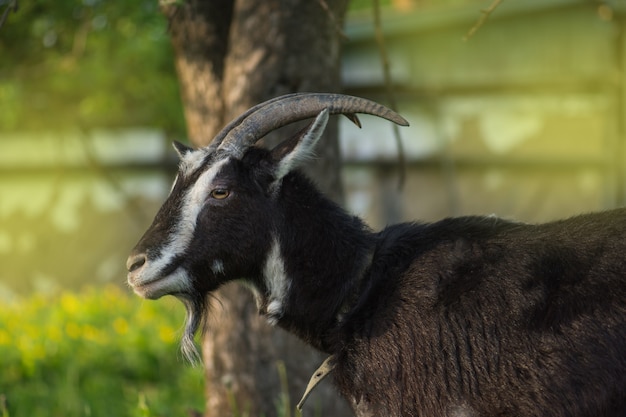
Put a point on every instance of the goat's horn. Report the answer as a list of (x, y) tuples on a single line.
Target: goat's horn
[(263, 118)]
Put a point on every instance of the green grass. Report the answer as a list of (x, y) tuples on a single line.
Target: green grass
[(98, 352)]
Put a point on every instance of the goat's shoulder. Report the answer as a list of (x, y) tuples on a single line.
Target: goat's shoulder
[(405, 242), (414, 260)]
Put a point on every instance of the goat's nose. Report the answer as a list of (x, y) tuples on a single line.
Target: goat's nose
[(135, 262)]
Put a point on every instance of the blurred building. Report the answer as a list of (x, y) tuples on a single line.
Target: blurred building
[(525, 119)]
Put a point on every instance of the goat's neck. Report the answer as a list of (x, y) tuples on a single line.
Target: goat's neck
[(315, 265)]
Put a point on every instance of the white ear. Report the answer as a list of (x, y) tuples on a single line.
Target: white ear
[(292, 152)]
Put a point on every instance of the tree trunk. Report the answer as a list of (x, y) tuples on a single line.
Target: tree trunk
[(231, 56)]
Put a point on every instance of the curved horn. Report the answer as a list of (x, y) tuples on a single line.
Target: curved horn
[(263, 118)]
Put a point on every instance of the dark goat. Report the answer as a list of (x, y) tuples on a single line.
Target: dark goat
[(471, 316)]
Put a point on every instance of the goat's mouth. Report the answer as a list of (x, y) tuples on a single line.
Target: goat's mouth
[(151, 290), (172, 280)]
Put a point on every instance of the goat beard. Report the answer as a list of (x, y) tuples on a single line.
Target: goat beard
[(196, 306)]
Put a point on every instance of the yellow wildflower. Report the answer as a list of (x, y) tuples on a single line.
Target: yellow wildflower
[(120, 325)]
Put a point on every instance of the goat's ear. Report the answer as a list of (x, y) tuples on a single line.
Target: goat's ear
[(292, 152), (181, 149)]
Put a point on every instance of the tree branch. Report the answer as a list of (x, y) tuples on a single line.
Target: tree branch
[(333, 19), (11, 5), (482, 20), (384, 58)]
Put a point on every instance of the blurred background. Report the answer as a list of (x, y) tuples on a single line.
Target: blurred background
[(525, 120)]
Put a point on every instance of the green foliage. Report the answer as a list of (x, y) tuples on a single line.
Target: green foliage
[(98, 352), (89, 63)]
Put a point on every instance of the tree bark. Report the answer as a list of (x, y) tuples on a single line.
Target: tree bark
[(199, 34), (231, 55)]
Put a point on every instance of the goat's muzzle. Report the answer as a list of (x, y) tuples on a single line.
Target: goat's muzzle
[(135, 264)]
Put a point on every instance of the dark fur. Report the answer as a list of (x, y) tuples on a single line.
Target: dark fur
[(468, 316), (492, 318)]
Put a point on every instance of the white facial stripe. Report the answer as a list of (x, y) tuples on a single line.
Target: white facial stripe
[(179, 241), (192, 161), (277, 283), (193, 203)]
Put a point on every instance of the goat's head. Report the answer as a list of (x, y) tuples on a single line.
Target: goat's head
[(216, 224)]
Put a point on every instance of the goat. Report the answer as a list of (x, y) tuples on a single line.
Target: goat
[(468, 316)]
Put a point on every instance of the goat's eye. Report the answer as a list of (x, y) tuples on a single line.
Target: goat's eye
[(220, 193)]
